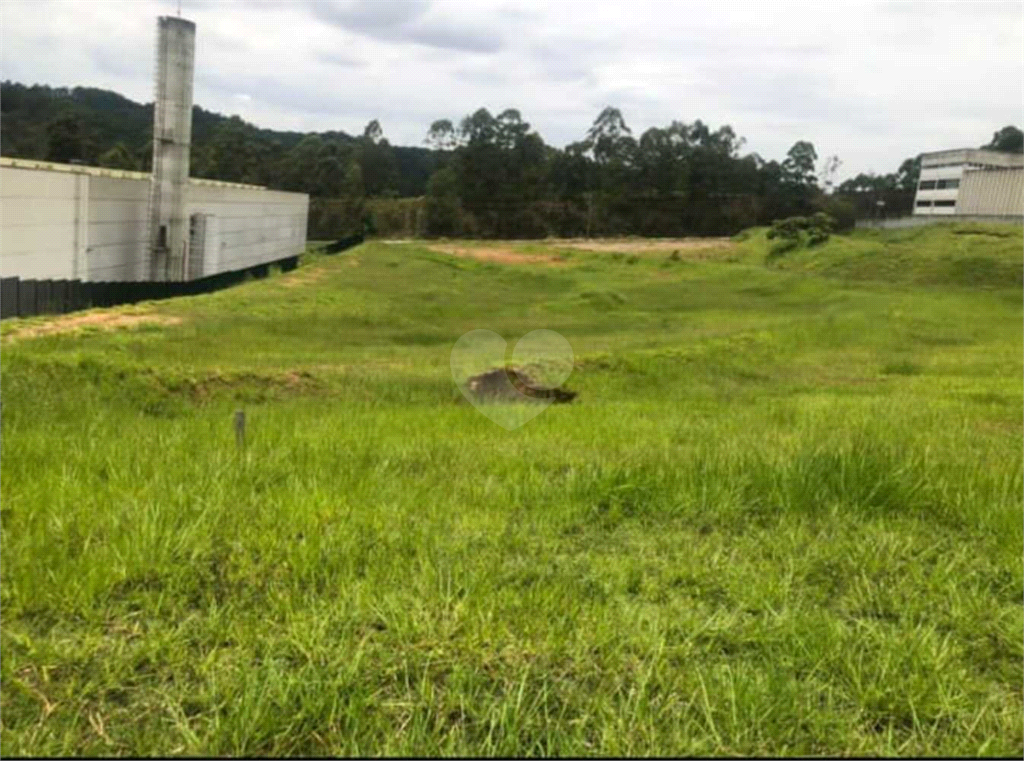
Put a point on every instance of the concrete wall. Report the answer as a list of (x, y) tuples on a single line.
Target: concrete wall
[(247, 227), (991, 191), (43, 216), (74, 222), (118, 239)]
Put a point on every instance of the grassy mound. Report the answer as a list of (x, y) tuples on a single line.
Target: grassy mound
[(965, 255)]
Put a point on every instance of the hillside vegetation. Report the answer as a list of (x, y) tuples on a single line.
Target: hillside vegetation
[(783, 516), (482, 176)]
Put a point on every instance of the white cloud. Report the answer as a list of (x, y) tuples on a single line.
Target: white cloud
[(871, 83)]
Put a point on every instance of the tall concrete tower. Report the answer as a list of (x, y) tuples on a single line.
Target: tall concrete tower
[(172, 136)]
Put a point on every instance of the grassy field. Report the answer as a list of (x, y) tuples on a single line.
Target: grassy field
[(784, 515)]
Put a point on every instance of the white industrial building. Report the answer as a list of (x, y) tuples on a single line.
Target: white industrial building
[(970, 182), (73, 222)]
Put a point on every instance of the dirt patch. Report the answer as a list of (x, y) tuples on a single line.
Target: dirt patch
[(691, 249), (105, 320), (254, 386), (303, 276), (685, 246), (500, 254), (514, 384)]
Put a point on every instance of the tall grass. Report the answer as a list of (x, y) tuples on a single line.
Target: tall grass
[(782, 517)]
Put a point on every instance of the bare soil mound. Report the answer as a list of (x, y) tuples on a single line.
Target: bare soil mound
[(512, 383)]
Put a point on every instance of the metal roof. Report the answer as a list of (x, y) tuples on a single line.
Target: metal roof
[(99, 171)]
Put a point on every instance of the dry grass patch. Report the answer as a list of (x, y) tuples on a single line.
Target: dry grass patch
[(687, 247), (303, 276), (525, 252), (99, 319), (502, 254)]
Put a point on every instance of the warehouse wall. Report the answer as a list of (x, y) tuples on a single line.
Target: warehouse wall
[(991, 191), (118, 219), (43, 217), (245, 226), (91, 224)]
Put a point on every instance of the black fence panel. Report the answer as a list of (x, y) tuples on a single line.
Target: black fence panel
[(44, 303), (97, 291), (59, 296), (8, 297), (76, 296), (27, 298), (343, 243)]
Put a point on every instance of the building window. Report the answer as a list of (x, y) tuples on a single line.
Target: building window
[(945, 203), (161, 238), (927, 185), (947, 184), (924, 204)]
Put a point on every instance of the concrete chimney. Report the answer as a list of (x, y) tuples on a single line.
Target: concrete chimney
[(172, 137)]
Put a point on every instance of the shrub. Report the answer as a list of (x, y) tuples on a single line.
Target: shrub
[(782, 247), (842, 211), (796, 232)]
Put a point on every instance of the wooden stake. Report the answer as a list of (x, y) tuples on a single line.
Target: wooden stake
[(240, 428)]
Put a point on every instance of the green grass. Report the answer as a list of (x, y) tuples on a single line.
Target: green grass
[(783, 516)]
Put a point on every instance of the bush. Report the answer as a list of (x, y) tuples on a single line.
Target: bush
[(842, 211), (784, 246), (797, 232)]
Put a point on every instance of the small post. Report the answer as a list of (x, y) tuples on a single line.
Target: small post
[(240, 428)]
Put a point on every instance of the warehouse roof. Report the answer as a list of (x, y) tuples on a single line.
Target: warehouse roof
[(972, 156), (99, 171)]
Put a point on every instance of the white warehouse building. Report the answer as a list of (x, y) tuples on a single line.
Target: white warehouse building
[(970, 182), (74, 222)]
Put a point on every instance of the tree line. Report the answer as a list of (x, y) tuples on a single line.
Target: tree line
[(484, 175), (102, 128)]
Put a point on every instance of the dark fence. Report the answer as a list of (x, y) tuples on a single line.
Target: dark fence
[(343, 243), (26, 298)]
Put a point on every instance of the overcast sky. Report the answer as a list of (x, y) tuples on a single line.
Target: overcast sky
[(871, 82)]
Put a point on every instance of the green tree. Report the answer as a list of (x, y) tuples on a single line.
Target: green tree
[(907, 175), (662, 158), (479, 128), (1008, 140), (373, 132), (827, 173), (68, 139), (442, 135), (443, 208), (377, 162), (510, 129), (353, 182), (609, 140), (118, 157), (798, 167)]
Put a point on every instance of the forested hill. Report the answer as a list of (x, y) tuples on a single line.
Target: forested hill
[(101, 127), (484, 175)]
